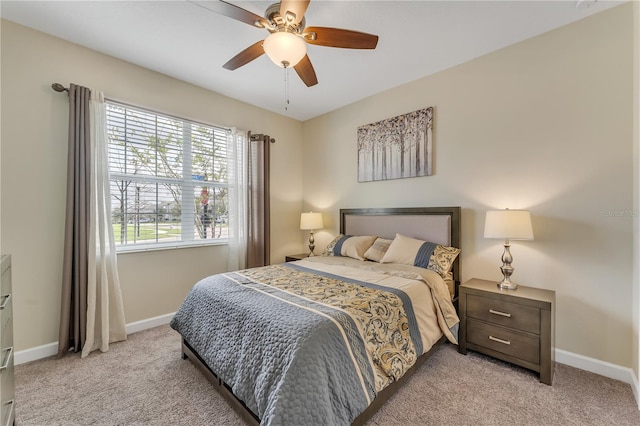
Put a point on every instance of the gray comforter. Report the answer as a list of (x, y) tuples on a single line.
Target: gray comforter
[(292, 342)]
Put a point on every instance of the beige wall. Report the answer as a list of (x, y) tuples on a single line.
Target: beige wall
[(636, 194), (34, 128), (544, 125), (1, 251)]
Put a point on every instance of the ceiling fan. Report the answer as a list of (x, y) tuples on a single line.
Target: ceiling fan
[(286, 43)]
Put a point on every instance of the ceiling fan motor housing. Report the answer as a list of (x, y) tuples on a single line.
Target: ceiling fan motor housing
[(280, 23)]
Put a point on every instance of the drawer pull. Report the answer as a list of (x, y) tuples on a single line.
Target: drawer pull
[(5, 364), (504, 342), (10, 413), (6, 298), (502, 314)]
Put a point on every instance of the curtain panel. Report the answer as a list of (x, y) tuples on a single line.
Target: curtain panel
[(105, 310), (237, 152), (259, 219), (92, 313), (73, 314)]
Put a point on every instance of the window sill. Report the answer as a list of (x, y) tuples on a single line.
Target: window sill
[(137, 248)]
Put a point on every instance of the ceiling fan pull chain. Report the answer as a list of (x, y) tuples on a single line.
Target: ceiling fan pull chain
[(286, 88)]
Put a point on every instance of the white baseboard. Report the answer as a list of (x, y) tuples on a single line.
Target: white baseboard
[(50, 349), (33, 354), (603, 368), (592, 365), (146, 324)]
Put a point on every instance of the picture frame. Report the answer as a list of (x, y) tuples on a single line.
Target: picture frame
[(396, 148)]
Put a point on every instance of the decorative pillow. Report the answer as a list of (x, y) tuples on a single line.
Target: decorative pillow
[(350, 246), (377, 250), (442, 258), (410, 251), (329, 250)]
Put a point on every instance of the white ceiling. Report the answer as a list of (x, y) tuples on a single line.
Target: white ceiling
[(183, 40)]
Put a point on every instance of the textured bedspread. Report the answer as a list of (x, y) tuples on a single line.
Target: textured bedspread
[(299, 344)]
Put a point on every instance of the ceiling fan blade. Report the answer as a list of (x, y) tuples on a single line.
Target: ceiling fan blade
[(297, 7), (306, 72), (247, 55), (237, 13), (336, 37)]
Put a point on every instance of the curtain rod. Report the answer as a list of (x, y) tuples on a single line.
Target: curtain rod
[(59, 87)]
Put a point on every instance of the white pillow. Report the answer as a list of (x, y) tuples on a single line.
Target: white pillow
[(356, 247), (403, 250)]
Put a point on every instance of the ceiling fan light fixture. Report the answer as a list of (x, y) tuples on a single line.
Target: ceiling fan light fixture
[(284, 49)]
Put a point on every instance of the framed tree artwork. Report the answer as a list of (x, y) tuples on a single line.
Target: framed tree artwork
[(396, 148)]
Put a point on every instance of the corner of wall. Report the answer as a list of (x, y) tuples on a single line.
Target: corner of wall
[(0, 137), (636, 204)]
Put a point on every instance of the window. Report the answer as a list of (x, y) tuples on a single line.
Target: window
[(168, 179)]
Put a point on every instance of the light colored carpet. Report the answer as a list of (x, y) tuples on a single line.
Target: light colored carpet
[(144, 381)]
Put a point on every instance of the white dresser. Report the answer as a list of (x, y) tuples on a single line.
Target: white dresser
[(7, 387)]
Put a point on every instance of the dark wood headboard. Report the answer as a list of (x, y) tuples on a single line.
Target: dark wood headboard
[(439, 225)]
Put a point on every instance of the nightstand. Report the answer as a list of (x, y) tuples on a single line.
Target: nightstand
[(294, 257), (516, 326)]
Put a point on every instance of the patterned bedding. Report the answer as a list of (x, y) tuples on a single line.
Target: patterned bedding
[(313, 342)]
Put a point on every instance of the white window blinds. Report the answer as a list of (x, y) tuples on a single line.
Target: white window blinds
[(168, 179)]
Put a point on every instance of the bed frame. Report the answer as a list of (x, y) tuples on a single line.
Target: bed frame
[(440, 225)]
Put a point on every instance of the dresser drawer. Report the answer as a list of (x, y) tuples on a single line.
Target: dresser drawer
[(513, 315), (6, 338), (6, 314), (7, 385), (7, 410), (5, 279), (510, 342)]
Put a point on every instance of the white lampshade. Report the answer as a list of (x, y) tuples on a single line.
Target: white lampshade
[(310, 221), (508, 224), (284, 48)]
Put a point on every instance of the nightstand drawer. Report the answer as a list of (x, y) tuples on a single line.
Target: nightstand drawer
[(525, 318), (510, 342)]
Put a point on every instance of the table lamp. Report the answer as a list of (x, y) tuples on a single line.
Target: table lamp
[(309, 222), (510, 225)]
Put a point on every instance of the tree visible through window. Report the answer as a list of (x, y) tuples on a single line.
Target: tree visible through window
[(168, 178)]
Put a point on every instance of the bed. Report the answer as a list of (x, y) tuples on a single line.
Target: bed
[(328, 339)]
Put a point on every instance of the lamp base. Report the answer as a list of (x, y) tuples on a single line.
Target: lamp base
[(312, 244), (506, 284), (507, 269)]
